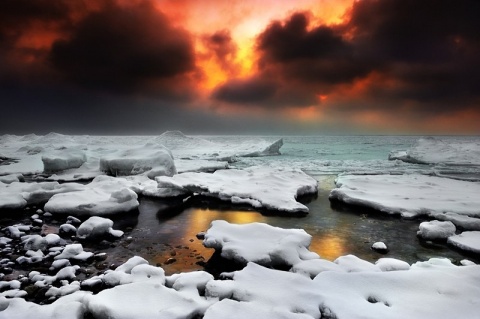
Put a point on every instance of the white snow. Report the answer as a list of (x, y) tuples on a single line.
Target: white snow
[(241, 243), (103, 196), (461, 221), (436, 230), (409, 293), (97, 227), (409, 195), (436, 150), (8, 179), (17, 195), (392, 264), (60, 160), (380, 246), (151, 159), (313, 267), (263, 187), (468, 241), (74, 251), (351, 263)]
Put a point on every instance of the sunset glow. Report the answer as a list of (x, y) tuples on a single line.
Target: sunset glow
[(308, 61)]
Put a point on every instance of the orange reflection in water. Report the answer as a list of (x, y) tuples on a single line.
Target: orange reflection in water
[(187, 249), (329, 246)]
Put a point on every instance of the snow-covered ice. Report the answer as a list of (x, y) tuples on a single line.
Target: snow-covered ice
[(278, 246), (468, 241), (436, 150), (17, 195), (96, 227), (409, 195), (103, 196), (60, 160), (151, 159), (436, 230), (260, 187)]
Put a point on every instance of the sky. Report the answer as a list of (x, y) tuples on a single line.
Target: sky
[(215, 66)]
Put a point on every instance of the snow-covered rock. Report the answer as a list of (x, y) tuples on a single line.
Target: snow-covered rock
[(468, 241), (74, 251), (152, 159), (261, 187), (409, 195), (380, 247), (97, 227), (436, 230), (351, 263), (241, 243), (103, 196), (60, 160)]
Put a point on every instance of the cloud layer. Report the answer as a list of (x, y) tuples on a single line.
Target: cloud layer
[(385, 64)]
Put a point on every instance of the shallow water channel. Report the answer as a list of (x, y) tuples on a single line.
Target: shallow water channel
[(167, 237)]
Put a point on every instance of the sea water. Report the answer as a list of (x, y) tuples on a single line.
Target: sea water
[(159, 235)]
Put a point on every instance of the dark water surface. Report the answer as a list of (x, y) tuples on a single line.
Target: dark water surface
[(159, 233)]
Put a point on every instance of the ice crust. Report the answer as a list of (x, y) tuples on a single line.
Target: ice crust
[(260, 187), (410, 195)]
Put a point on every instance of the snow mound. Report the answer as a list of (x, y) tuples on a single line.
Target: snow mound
[(17, 195), (468, 241), (53, 138), (391, 264), (436, 230), (278, 246), (103, 196), (409, 195), (313, 267), (97, 227), (61, 160), (74, 251), (432, 150), (152, 159), (260, 187)]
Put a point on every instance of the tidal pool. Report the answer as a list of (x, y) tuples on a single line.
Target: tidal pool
[(167, 236)]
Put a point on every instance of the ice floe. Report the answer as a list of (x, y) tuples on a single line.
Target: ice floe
[(60, 160), (151, 159), (409, 195), (436, 230), (260, 187), (433, 150), (468, 241), (279, 246), (17, 195), (103, 196)]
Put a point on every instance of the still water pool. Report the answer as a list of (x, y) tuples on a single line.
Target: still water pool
[(167, 236)]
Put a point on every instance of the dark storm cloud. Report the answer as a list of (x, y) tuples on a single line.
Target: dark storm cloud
[(428, 49), (245, 91), (223, 47), (124, 49)]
